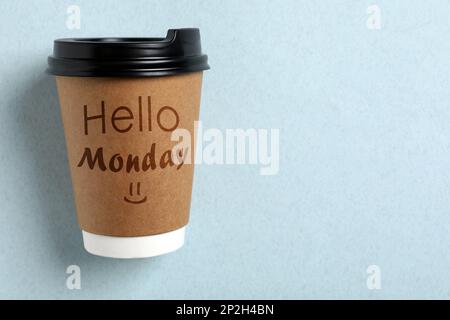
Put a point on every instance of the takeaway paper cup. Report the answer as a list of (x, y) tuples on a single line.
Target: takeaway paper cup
[(128, 107)]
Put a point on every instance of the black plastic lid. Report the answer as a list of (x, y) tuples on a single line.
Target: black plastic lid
[(179, 52)]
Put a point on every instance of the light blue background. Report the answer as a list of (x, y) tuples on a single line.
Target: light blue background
[(365, 162)]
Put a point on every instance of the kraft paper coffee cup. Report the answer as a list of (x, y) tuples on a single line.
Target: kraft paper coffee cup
[(128, 107)]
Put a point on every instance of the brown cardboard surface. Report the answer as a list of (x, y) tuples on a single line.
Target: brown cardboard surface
[(135, 190)]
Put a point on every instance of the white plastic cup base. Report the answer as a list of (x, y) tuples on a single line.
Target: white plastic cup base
[(133, 247)]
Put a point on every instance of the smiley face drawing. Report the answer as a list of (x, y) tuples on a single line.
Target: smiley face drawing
[(131, 197)]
